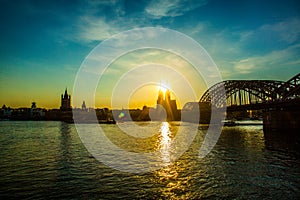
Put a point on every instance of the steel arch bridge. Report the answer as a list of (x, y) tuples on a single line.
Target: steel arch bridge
[(249, 92)]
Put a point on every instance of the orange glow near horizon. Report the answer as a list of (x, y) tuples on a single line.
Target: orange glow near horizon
[(149, 94), (143, 96)]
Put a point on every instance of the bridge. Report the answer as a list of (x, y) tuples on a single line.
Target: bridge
[(278, 100), (253, 94)]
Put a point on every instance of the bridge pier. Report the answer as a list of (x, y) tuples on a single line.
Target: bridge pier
[(281, 120), (281, 127), (285, 116)]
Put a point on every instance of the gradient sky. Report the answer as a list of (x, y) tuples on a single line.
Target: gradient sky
[(43, 43)]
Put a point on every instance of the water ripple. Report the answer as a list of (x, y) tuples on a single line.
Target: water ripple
[(48, 160)]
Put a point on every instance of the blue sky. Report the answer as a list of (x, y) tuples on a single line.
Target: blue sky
[(43, 43)]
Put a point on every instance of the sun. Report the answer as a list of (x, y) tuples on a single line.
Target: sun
[(163, 87)]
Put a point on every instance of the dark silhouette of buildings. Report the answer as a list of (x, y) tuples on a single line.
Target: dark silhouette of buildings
[(33, 105), (166, 108), (65, 101), (83, 106)]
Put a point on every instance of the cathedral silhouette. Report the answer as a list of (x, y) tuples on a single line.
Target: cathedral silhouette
[(166, 106), (65, 101)]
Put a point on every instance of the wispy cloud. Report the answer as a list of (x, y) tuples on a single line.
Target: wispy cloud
[(261, 40), (98, 20), (235, 49), (266, 64), (172, 8), (254, 53), (116, 7), (93, 25), (95, 29), (271, 36), (288, 30), (245, 66)]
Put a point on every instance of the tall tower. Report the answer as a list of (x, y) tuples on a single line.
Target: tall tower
[(168, 104), (168, 95), (65, 101), (160, 98), (83, 106)]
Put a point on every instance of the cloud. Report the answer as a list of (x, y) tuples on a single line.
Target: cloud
[(244, 66), (262, 51), (94, 29), (100, 20), (91, 26), (97, 20), (236, 50), (270, 63), (95, 6), (172, 8), (271, 36), (241, 42), (198, 28), (287, 31)]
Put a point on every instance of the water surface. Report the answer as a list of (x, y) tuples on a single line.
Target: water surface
[(48, 160)]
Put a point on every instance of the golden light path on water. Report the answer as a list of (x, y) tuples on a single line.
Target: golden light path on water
[(165, 142), (168, 175)]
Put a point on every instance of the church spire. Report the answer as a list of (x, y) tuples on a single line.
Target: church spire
[(66, 95), (65, 101)]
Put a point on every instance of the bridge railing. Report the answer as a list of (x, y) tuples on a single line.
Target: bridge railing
[(248, 92)]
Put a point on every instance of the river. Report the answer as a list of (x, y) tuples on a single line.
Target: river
[(48, 160)]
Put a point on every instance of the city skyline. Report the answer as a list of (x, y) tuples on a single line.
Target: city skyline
[(44, 43), (66, 102)]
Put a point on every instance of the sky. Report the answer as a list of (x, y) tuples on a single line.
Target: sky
[(44, 43)]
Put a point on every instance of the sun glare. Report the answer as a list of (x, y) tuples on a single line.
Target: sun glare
[(163, 87)]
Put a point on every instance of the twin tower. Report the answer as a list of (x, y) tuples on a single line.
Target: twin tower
[(166, 108)]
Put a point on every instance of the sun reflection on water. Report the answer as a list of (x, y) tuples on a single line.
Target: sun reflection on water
[(165, 142), (172, 187)]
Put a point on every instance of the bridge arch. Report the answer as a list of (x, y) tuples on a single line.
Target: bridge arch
[(242, 92), (245, 92), (291, 88)]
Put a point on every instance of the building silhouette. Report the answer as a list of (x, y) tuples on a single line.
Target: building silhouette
[(83, 106), (166, 106), (65, 101)]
